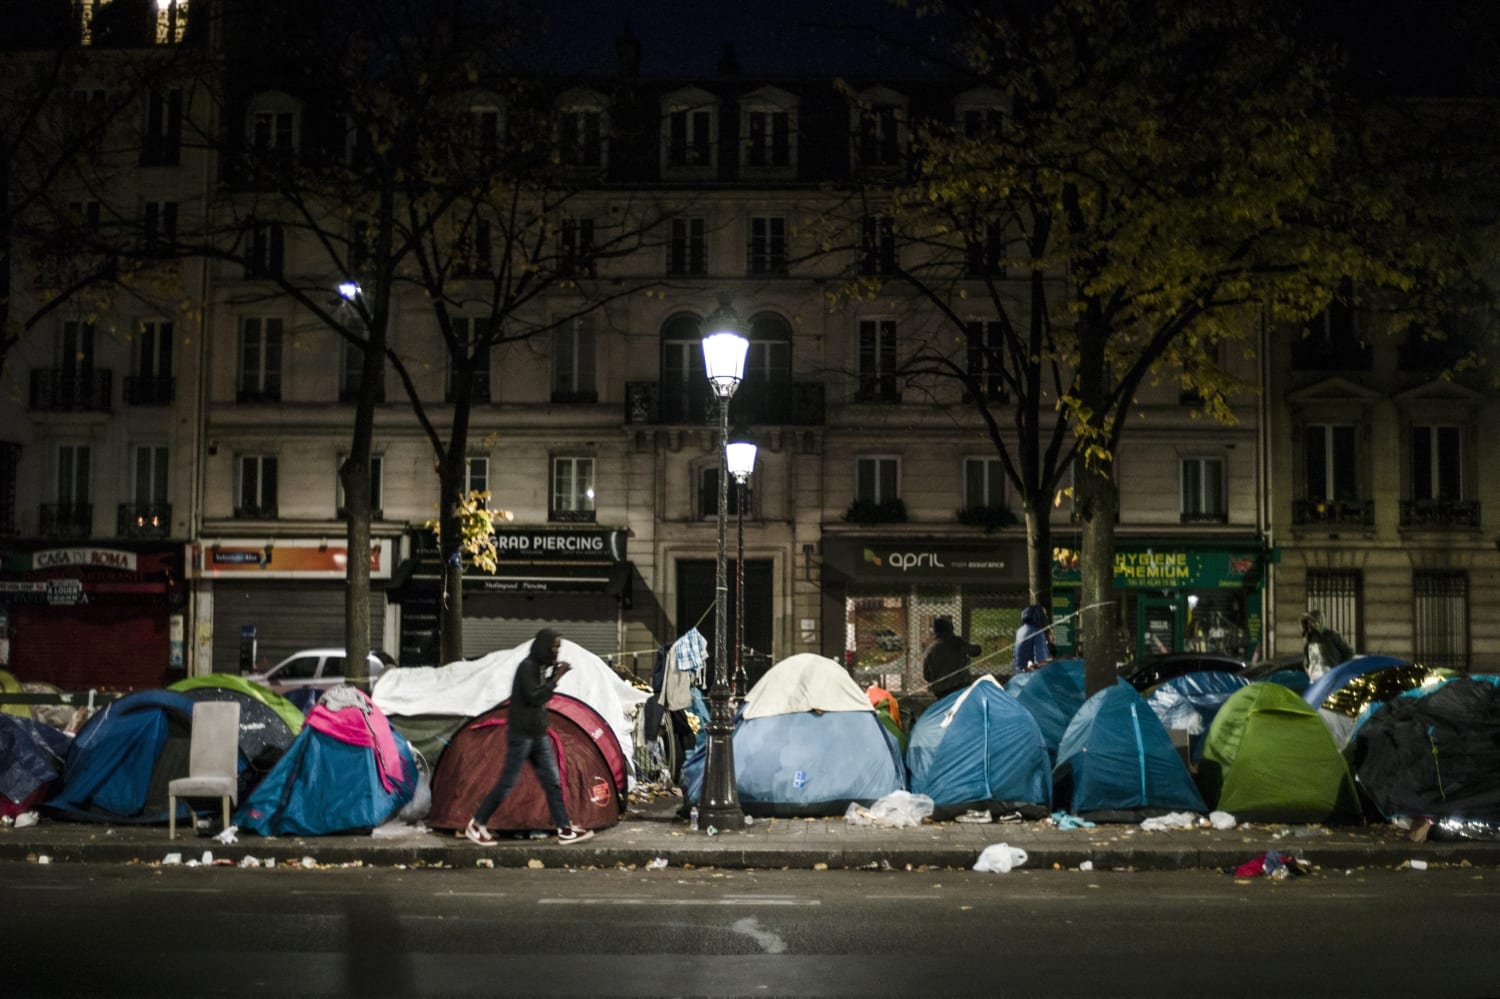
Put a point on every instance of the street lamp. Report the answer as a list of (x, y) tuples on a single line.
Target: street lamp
[(739, 455), (724, 349)]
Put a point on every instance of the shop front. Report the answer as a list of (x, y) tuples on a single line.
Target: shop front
[(109, 615), (881, 595), (260, 601), (1175, 596), (571, 577)]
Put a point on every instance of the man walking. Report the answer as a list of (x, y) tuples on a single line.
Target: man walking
[(946, 666), (1322, 647), (526, 739)]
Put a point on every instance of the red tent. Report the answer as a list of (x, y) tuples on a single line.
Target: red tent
[(593, 770)]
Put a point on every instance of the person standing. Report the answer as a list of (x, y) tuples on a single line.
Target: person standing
[(946, 666), (526, 739), (1322, 647), (1031, 645)]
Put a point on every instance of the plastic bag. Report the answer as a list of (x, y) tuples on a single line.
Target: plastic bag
[(1000, 858), (896, 810)]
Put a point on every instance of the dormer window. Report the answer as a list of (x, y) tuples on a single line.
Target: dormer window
[(271, 129), (979, 113), (582, 131), (768, 123), (879, 129), (690, 132)]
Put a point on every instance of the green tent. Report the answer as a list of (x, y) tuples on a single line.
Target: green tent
[(285, 709), (1269, 757)]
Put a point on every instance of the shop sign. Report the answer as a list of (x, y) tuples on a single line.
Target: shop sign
[(534, 584), (282, 560), (559, 544), (92, 558), (65, 592), (1164, 568), (917, 559)]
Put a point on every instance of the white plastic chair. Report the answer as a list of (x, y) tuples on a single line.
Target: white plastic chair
[(213, 760)]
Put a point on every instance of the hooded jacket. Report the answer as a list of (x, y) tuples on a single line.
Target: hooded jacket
[(532, 688), (1031, 640), (946, 666)]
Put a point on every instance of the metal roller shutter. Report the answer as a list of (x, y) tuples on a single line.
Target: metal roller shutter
[(288, 616), (483, 635)]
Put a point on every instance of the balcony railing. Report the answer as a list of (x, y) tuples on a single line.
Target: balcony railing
[(56, 390), (147, 390), (571, 516), (1440, 513), (1333, 513), (787, 404), (1218, 517), (67, 520), (144, 520), (265, 511)]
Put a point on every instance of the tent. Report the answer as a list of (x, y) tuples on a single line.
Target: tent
[(1190, 701), (268, 721), (431, 703), (806, 742), (1116, 762), (1345, 692), (10, 685), (123, 758), (592, 765), (346, 771), (1053, 694), (1434, 753), (978, 748), (1339, 676), (31, 761), (1269, 757)]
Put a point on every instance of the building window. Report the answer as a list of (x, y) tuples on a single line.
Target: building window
[(1329, 454), (690, 137), (768, 138), (708, 493), (1440, 635), (267, 250), (687, 251), (573, 362), (880, 137), (581, 137), (1203, 491), (159, 225), (984, 251), (1330, 341), (359, 237), (255, 490), (1336, 594), (352, 370), (985, 341), (766, 253), (576, 248), (877, 245), (765, 396), (877, 481), (572, 489), (477, 474), (684, 381), (377, 469), (171, 21), (149, 474), (469, 341), (471, 250), (979, 122), (485, 132), (984, 483), (162, 142), (1436, 463), (71, 514), (10, 466), (260, 360), (876, 361), (273, 134)]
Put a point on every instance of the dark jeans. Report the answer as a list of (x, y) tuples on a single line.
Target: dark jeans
[(517, 752)]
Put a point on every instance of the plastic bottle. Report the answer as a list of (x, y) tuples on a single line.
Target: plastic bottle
[(693, 819)]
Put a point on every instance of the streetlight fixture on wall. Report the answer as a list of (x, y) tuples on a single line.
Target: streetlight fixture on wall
[(724, 347), (739, 455)]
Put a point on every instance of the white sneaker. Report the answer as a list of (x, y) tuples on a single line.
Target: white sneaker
[(573, 834), (477, 833)]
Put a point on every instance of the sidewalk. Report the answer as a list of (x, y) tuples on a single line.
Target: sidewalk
[(650, 832)]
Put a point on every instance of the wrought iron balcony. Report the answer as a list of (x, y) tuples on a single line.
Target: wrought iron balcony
[(1217, 517), (56, 390), (1440, 513), (787, 404), (144, 520), (571, 516), (67, 520), (1333, 513), (265, 511), (147, 390)]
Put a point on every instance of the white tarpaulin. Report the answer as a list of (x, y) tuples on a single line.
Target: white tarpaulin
[(805, 682), (474, 686)]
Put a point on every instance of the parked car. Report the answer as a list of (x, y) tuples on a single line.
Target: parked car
[(318, 669), (1148, 671)]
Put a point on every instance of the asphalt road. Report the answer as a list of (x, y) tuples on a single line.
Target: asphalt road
[(95, 930)]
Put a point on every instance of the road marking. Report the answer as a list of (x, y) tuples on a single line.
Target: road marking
[(769, 942), (323, 891), (746, 900), (188, 891), (470, 894)]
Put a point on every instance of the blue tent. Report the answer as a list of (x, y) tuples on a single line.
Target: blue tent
[(31, 757), (806, 742), (325, 784), (1052, 695), (1117, 763), (1190, 702), (123, 758), (1335, 679), (977, 748)]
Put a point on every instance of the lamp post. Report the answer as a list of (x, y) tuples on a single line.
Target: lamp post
[(739, 456), (724, 360)]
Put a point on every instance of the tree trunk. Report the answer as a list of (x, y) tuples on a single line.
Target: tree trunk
[(450, 551), (1098, 622), (1039, 553), (355, 476)]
